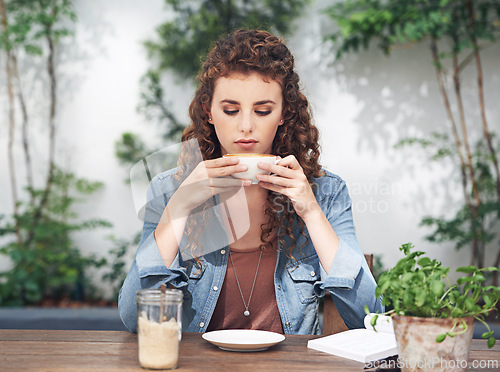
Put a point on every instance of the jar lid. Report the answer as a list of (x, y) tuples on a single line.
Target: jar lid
[(157, 296)]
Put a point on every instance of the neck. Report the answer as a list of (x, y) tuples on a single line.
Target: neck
[(246, 216), (255, 194)]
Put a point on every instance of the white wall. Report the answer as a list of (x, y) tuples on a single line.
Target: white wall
[(362, 104)]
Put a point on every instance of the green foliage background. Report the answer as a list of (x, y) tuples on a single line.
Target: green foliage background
[(45, 263), (456, 32)]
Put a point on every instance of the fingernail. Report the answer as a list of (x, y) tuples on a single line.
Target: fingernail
[(247, 182), (242, 167)]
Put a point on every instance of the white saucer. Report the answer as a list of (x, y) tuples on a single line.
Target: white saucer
[(243, 339)]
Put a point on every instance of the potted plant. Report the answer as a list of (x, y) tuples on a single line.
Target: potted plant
[(434, 319)]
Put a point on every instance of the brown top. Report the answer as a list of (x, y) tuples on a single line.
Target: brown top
[(263, 308)]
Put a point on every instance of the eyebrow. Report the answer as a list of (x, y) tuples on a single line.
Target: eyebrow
[(266, 101)]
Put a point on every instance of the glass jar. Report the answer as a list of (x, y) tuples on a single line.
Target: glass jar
[(159, 327)]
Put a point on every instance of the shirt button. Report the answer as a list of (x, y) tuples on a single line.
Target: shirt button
[(202, 325), (215, 288), (279, 288), (313, 273), (223, 251), (287, 324)]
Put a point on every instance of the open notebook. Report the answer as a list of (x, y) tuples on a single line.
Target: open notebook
[(363, 345)]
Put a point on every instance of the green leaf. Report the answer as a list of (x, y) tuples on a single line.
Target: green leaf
[(408, 298), (487, 301), (437, 287), (441, 337), (420, 297), (490, 269), (385, 285), (465, 279), (491, 342), (407, 277), (469, 304), (486, 335), (424, 261), (467, 269), (406, 248)]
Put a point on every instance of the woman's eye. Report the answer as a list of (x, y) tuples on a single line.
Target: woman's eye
[(263, 113), (230, 112)]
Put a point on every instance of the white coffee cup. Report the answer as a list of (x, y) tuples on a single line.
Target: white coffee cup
[(251, 161)]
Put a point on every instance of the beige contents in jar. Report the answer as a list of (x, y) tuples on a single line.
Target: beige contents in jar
[(158, 343)]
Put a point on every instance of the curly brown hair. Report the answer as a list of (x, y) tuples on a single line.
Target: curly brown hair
[(254, 51)]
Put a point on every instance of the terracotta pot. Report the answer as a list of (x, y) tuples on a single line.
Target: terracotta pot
[(418, 349)]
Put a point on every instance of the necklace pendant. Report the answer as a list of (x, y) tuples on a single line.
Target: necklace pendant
[(246, 313)]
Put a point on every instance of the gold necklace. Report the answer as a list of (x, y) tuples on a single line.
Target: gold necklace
[(246, 312)]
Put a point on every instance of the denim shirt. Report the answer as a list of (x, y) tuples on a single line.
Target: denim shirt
[(298, 283)]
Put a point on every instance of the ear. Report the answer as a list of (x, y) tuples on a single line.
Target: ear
[(281, 122), (207, 111)]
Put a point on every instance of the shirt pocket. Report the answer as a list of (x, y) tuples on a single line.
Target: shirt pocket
[(304, 275)]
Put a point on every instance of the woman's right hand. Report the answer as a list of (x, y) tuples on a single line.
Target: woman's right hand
[(210, 177)]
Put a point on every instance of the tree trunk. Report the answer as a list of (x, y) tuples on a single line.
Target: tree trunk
[(24, 111), (477, 202), (486, 131), (454, 130), (52, 128), (10, 146), (52, 113)]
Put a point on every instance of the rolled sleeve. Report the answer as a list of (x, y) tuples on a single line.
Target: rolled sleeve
[(344, 270), (152, 270), (349, 279)]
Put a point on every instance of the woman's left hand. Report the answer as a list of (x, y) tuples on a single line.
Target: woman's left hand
[(289, 179)]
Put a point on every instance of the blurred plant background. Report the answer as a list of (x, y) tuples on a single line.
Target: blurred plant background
[(403, 92), (45, 265), (455, 33)]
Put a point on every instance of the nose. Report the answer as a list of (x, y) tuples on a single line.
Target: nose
[(246, 124)]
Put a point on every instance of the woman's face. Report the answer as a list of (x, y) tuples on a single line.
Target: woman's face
[(246, 112)]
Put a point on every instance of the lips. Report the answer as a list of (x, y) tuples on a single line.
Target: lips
[(246, 143)]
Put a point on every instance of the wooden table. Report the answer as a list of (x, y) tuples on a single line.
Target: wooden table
[(117, 351)]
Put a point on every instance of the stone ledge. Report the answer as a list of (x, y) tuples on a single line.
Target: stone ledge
[(97, 318)]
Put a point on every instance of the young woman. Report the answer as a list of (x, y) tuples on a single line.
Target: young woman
[(298, 240)]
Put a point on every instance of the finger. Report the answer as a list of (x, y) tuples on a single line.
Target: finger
[(275, 188), (290, 161), (276, 180), (221, 183), (277, 169), (221, 162), (226, 171)]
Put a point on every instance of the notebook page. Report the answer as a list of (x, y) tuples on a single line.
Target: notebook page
[(361, 345)]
